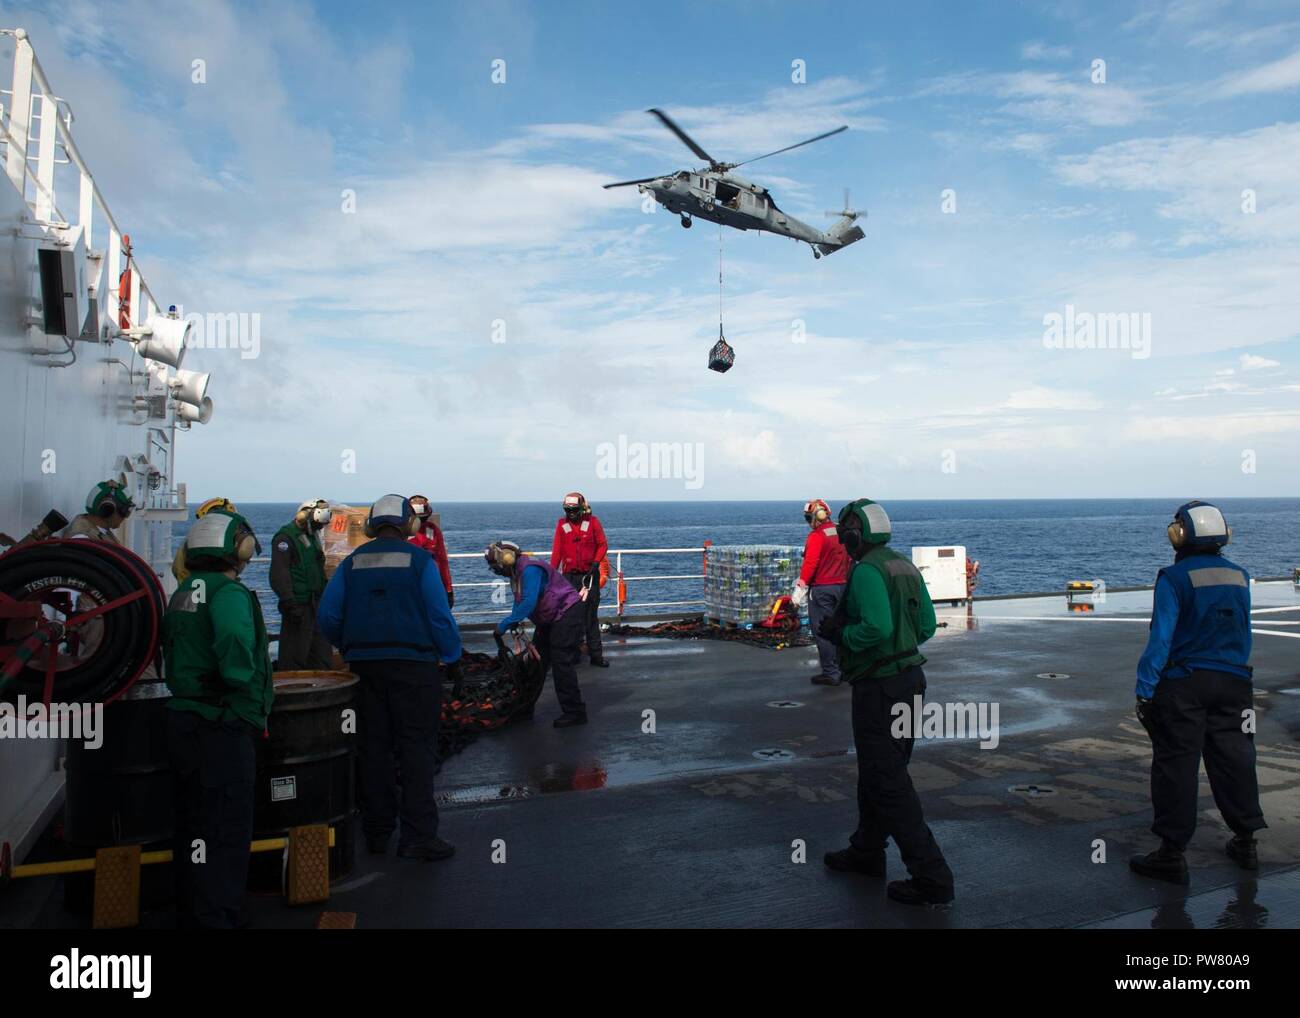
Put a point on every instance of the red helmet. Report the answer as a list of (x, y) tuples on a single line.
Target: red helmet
[(575, 504), (816, 511), (420, 506)]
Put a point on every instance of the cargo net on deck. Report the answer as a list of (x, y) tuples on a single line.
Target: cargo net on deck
[(781, 629), (496, 688)]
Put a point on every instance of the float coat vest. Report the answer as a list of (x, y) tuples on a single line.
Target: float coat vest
[(384, 614), (306, 562), (1213, 631), (907, 593), (193, 670), (557, 596)]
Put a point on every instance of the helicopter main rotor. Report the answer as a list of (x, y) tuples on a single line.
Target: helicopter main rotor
[(715, 165)]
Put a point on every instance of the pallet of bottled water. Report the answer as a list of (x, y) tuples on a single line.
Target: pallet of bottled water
[(742, 580)]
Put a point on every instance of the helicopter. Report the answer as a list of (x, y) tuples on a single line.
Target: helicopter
[(715, 194)]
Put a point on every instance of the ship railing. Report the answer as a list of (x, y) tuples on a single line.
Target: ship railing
[(30, 108), (616, 574), (690, 606)]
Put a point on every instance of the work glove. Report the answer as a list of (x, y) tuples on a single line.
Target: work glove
[(832, 628), (800, 594), (1143, 712), (451, 599), (456, 675)]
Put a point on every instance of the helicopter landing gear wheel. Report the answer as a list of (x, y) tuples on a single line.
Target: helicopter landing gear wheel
[(686, 222), (816, 253)]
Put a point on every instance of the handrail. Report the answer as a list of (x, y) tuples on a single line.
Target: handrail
[(28, 70)]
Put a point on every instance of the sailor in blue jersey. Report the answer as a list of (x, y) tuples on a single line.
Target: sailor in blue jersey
[(1195, 696), (386, 610)]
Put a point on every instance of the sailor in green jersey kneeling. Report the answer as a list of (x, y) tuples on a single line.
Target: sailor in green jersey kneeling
[(878, 627), (219, 673)]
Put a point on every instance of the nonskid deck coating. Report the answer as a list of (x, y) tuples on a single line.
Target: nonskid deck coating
[(607, 825)]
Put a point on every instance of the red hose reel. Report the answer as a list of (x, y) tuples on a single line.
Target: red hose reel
[(80, 621)]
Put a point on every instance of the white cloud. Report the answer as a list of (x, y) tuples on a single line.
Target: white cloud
[(1042, 51), (1251, 362), (1278, 76)]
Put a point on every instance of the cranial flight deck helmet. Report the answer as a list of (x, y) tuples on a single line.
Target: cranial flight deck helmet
[(421, 507), (224, 536), (863, 523), (107, 498), (392, 511), (575, 504), (816, 511), (317, 512), (1198, 525), (501, 557)]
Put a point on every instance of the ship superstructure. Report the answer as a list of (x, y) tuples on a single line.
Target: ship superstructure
[(91, 384)]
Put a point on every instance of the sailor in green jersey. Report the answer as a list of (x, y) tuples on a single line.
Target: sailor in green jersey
[(882, 620), (298, 579), (219, 672)]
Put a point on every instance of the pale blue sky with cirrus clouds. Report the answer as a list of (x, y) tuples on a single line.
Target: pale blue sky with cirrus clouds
[(1004, 179)]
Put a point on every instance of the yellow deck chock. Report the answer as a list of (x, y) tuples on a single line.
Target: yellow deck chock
[(309, 864), (117, 873), (117, 888), (336, 921)]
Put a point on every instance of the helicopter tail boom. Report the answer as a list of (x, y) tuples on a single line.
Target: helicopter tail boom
[(841, 234)]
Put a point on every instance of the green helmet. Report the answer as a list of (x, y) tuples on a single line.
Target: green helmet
[(107, 498), (876, 528), (221, 535)]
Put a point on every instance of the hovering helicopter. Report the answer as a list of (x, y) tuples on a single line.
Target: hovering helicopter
[(718, 196)]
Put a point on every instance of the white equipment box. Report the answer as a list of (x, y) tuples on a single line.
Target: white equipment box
[(944, 570)]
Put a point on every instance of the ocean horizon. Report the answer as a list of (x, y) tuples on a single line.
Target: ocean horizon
[(1023, 545)]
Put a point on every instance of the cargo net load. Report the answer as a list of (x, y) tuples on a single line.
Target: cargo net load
[(747, 599), (496, 688)]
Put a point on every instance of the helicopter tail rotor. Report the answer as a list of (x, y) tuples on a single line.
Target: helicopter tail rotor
[(848, 212)]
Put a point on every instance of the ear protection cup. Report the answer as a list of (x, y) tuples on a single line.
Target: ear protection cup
[(1177, 534), (412, 526), (105, 508), (367, 529), (245, 545)]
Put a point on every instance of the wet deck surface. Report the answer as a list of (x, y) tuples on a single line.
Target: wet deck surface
[(609, 826)]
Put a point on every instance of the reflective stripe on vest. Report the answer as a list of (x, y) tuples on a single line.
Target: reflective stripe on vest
[(1213, 628), (384, 606)]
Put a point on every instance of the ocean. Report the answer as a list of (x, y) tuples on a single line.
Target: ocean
[(1023, 546)]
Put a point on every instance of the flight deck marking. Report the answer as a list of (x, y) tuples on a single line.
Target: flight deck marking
[(773, 754), (1053, 675), (784, 703), (1033, 791)]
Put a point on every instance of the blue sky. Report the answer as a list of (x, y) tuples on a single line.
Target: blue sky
[(923, 370)]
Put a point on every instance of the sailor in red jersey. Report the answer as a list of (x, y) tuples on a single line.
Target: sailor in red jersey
[(429, 537), (821, 582), (576, 551)]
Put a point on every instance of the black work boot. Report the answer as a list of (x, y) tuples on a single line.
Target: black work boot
[(569, 719), (851, 860), (427, 851), (824, 680), (1243, 852), (599, 661), (1165, 863), (910, 892)]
